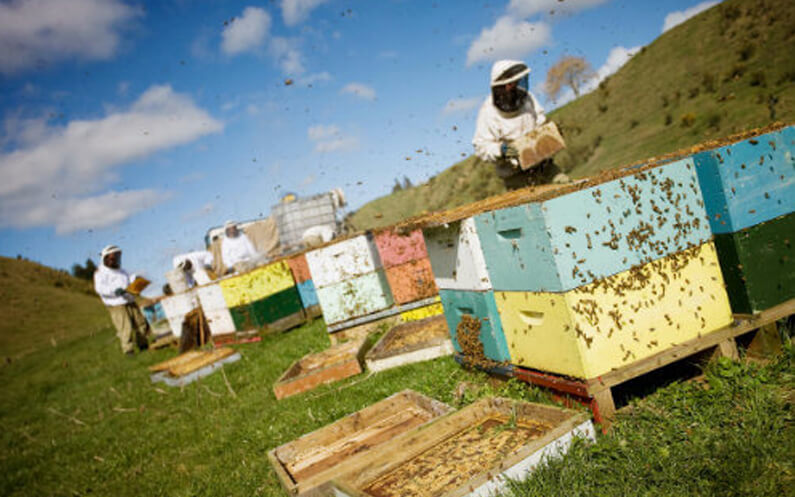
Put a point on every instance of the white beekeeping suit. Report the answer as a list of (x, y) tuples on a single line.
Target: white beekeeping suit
[(504, 118), (236, 247), (108, 280), (199, 260)]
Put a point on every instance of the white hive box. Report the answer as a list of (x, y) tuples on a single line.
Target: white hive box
[(343, 261)]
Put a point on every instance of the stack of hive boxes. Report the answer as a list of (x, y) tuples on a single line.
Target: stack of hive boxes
[(408, 270), (263, 298), (219, 319), (306, 288), (349, 280), (749, 191), (465, 288), (176, 306)]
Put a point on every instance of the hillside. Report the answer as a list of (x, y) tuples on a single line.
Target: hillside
[(43, 307), (726, 70)]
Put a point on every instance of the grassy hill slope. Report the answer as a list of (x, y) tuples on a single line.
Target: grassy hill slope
[(42, 306), (726, 70)]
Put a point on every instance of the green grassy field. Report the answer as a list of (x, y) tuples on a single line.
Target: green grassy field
[(81, 419), (715, 75)]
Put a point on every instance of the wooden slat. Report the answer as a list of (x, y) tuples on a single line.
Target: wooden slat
[(182, 358), (199, 362)]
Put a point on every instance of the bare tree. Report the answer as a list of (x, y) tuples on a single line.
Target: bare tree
[(569, 71)]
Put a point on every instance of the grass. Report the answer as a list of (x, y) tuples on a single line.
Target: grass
[(714, 75), (81, 419)]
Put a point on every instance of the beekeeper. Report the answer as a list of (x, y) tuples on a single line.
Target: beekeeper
[(237, 251), (195, 265), (508, 113), (111, 282)]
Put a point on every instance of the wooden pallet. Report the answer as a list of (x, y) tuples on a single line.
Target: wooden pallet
[(410, 342), (182, 358), (596, 392), (333, 364), (312, 459), (205, 359), (473, 451)]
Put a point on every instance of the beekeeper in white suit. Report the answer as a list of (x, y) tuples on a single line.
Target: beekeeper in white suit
[(237, 251), (508, 113), (111, 282)]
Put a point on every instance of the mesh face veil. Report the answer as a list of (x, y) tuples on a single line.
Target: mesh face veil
[(509, 89)]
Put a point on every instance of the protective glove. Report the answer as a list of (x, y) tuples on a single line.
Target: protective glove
[(119, 292), (509, 151)]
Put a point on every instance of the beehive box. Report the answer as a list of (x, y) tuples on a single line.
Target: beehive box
[(343, 260), (192, 365), (482, 307), (299, 268), (306, 290), (396, 249), (411, 281), (333, 364), (219, 319), (256, 284), (473, 451), (578, 238), (616, 321), (541, 143), (355, 297), (267, 312), (758, 264), (411, 342), (423, 312), (309, 461), (748, 182), (176, 306), (457, 257)]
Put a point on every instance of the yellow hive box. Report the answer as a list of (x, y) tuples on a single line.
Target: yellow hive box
[(422, 312), (256, 284), (596, 328)]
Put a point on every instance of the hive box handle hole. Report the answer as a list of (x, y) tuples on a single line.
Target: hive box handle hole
[(532, 318)]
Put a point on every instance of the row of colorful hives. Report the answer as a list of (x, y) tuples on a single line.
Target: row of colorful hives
[(348, 280), (595, 278)]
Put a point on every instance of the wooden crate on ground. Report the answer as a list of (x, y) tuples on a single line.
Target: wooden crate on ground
[(468, 452), (333, 364), (190, 366), (311, 460), (410, 342)]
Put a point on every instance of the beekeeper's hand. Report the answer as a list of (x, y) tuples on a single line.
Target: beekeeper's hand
[(509, 151)]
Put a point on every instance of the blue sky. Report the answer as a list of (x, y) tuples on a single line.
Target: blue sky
[(144, 124)]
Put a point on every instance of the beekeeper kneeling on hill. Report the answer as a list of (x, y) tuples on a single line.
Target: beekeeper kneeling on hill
[(111, 282), (237, 251), (509, 113)]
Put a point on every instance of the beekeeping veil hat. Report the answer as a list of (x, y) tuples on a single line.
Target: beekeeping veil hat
[(109, 249), (509, 99)]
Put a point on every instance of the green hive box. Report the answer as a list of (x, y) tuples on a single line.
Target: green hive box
[(260, 313), (758, 264)]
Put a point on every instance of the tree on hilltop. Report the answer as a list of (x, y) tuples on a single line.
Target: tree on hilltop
[(569, 71)]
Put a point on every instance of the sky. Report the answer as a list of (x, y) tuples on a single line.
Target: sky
[(143, 124)]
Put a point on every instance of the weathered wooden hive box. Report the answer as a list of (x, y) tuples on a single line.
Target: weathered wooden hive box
[(314, 458), (749, 191), (465, 287), (601, 277), (192, 365), (265, 297), (333, 364), (410, 342), (176, 306), (468, 452), (215, 309), (406, 264), (304, 283), (349, 279)]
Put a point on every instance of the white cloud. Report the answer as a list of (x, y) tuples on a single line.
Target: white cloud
[(527, 8), (44, 31), (247, 32), (460, 105), (677, 17), (56, 175), (360, 90), (508, 38), (296, 11), (311, 79), (287, 55), (331, 139)]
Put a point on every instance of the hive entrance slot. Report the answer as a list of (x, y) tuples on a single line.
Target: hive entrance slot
[(511, 234), (532, 318)]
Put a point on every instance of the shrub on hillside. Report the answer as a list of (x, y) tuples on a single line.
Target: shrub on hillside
[(687, 120)]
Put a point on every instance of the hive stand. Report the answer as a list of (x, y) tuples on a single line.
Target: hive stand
[(596, 392)]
